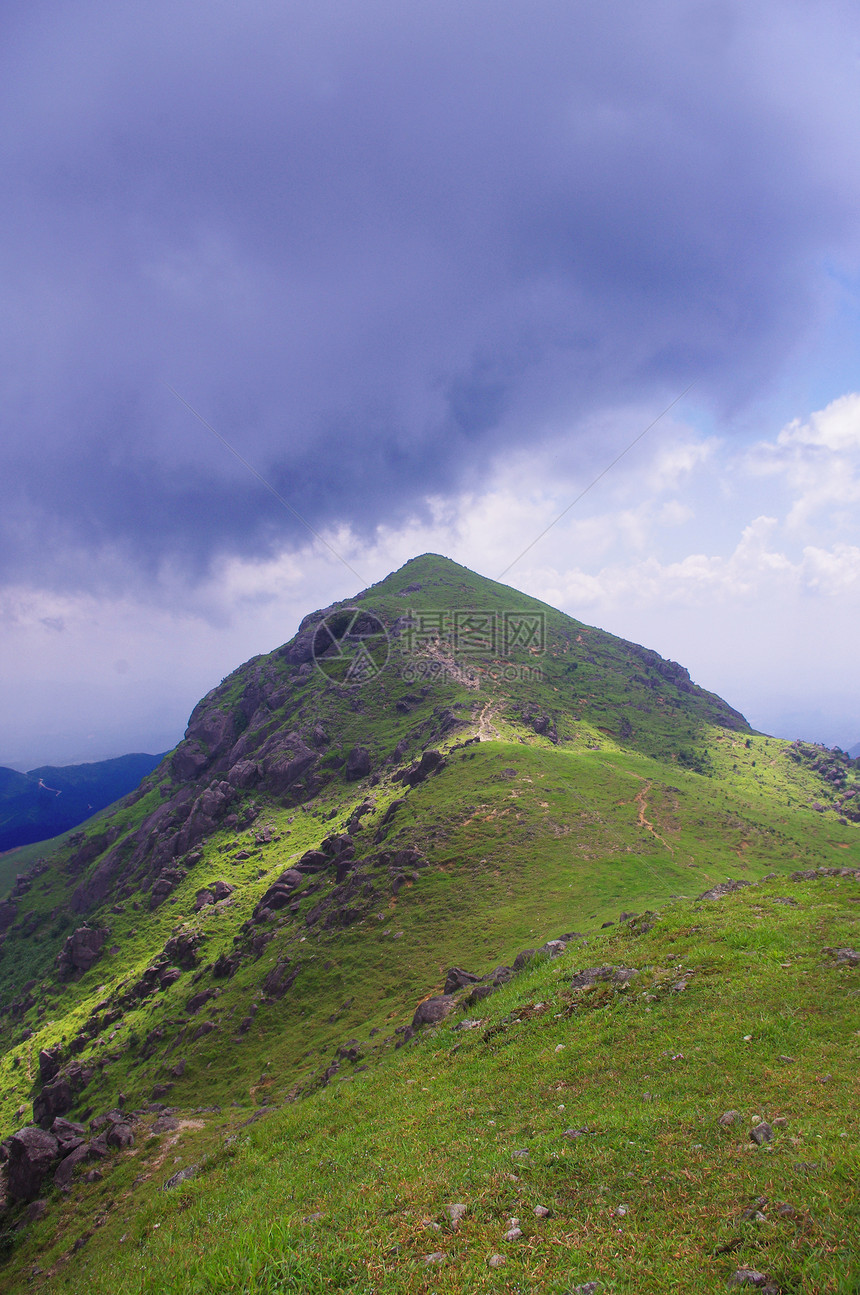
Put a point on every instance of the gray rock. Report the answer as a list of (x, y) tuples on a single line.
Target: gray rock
[(554, 948), (514, 1231), (49, 1063), (121, 1136), (541, 1212), (437, 1257), (455, 1213), (66, 1167), (724, 888), (31, 1153), (433, 1010), (479, 992), (590, 976), (761, 1133), (182, 1177), (430, 762), (751, 1277), (358, 764), (55, 1099), (68, 1134), (81, 949), (729, 1117), (457, 978)]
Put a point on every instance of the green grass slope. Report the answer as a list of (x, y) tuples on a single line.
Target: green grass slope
[(601, 1105), (579, 778)]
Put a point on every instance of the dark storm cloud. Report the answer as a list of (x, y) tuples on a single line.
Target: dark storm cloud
[(374, 244)]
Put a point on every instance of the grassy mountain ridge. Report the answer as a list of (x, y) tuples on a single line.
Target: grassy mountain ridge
[(316, 854)]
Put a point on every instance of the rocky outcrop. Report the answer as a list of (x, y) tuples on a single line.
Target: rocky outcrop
[(31, 1154), (281, 978), (279, 894), (286, 762), (165, 883), (61, 1093), (433, 1010), (91, 849), (244, 773), (188, 760), (50, 1060), (212, 894), (81, 949), (724, 888), (430, 762), (358, 763), (457, 978)]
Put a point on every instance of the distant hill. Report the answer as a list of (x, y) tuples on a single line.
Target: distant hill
[(44, 802), (854, 752)]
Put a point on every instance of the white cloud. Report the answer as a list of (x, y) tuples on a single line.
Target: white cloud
[(669, 550)]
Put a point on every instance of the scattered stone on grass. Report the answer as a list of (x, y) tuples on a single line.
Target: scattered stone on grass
[(514, 1231), (724, 888), (184, 1174), (437, 1257), (761, 1133), (587, 1288), (455, 1213), (729, 1117), (541, 1212), (496, 1261), (752, 1277)]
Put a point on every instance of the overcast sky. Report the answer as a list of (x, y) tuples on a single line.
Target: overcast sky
[(428, 268)]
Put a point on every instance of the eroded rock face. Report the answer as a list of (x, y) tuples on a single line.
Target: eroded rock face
[(32, 1152), (8, 913), (82, 948), (288, 760), (244, 773), (189, 760)]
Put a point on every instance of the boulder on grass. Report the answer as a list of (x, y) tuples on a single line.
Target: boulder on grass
[(32, 1152)]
